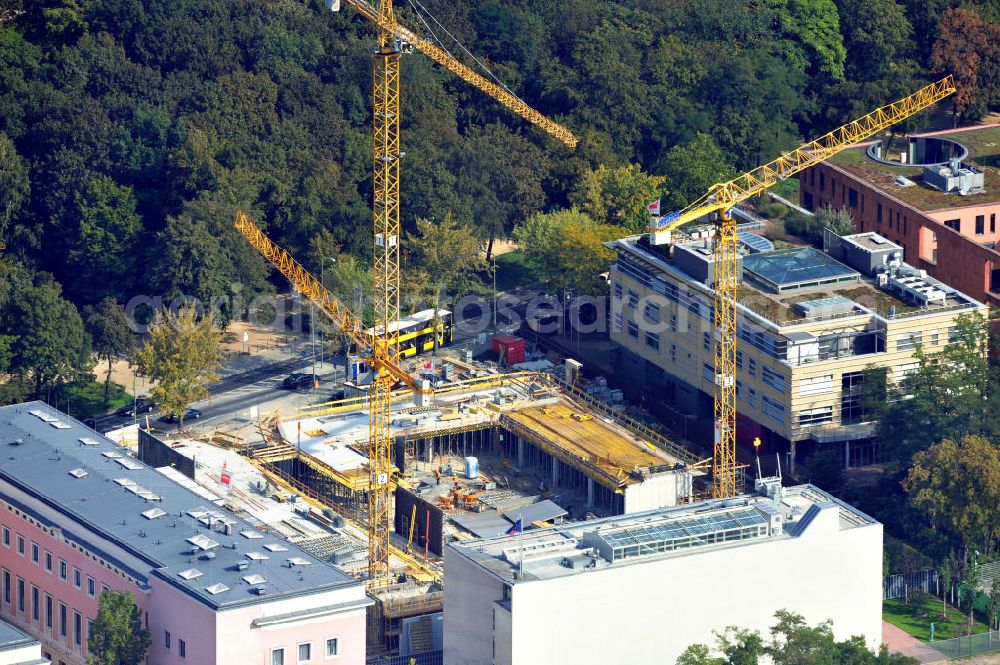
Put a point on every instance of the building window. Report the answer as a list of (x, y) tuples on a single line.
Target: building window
[(954, 224), (633, 330), (616, 322), (305, 652), (6, 587), (993, 222), (277, 657), (820, 416), (905, 370), (48, 611), (77, 628), (816, 385), (822, 181), (772, 379), (739, 389), (166, 639), (673, 322), (633, 298), (77, 578), (20, 545), (878, 213), (62, 620), (48, 561), (673, 353), (62, 570), (671, 291), (34, 553), (91, 587), (772, 409), (6, 537), (739, 359), (20, 595), (617, 288), (980, 224), (708, 372), (908, 341), (652, 312), (752, 367), (653, 341), (332, 647), (752, 398), (181, 649), (36, 610), (706, 341), (852, 197)]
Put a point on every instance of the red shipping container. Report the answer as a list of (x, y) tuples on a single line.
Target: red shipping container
[(509, 348)]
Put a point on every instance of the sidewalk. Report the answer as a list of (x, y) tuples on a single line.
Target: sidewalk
[(899, 641)]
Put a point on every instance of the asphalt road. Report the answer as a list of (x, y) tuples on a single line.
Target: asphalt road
[(237, 389)]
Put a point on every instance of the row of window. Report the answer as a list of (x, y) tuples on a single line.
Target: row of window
[(305, 652), (36, 558), (42, 614)]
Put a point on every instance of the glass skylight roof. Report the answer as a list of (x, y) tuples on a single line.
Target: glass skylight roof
[(153, 513), (78, 473), (799, 267), (690, 531), (275, 547), (257, 556), (254, 579), (203, 542), (190, 574), (299, 561), (252, 535), (87, 441)]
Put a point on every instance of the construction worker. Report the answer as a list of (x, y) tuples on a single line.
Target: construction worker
[(437, 475)]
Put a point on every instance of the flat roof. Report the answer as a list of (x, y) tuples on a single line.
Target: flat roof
[(786, 268), (779, 308), (12, 638), (94, 482), (984, 149), (595, 545)]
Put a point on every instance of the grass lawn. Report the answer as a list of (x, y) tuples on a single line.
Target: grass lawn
[(788, 189), (916, 619), (512, 271), (86, 398)]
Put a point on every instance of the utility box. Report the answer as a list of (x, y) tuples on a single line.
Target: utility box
[(511, 350)]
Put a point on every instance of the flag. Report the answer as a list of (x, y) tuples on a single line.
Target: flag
[(654, 207), (516, 527)]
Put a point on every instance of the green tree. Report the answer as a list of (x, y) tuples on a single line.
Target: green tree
[(102, 256), (994, 605), (813, 29), (109, 329), (952, 393), (692, 168), (825, 469), (565, 248), (619, 196), (793, 642), (839, 220), (957, 487), (181, 354), (14, 187), (50, 345), (116, 636), (876, 33)]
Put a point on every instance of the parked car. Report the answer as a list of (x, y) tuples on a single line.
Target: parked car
[(189, 414), (141, 405), (297, 381)]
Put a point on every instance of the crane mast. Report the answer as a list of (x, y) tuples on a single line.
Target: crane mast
[(720, 199)]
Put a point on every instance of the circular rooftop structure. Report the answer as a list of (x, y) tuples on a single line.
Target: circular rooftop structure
[(921, 151)]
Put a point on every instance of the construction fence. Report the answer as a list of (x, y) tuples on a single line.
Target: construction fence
[(426, 658), (941, 651), (897, 586)]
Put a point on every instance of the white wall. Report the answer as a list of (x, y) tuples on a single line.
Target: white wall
[(658, 491), (27, 654), (650, 612)]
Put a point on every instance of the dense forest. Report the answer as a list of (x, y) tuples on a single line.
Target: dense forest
[(131, 130)]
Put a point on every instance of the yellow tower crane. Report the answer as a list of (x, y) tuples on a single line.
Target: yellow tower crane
[(393, 40), (719, 199)]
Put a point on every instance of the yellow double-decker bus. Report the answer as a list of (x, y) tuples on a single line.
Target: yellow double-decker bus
[(416, 335)]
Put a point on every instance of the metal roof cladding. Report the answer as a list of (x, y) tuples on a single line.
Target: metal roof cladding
[(42, 452)]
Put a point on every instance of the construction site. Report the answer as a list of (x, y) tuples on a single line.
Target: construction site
[(481, 454)]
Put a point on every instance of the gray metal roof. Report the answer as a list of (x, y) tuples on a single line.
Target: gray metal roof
[(543, 511), (12, 638), (42, 451)]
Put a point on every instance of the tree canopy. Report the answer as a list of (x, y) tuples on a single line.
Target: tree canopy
[(116, 636)]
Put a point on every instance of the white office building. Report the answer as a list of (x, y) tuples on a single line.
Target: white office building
[(641, 588)]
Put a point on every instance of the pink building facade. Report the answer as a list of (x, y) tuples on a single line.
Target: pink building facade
[(78, 517)]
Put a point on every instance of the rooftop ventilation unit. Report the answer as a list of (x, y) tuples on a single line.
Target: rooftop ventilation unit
[(831, 306), (918, 291)]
